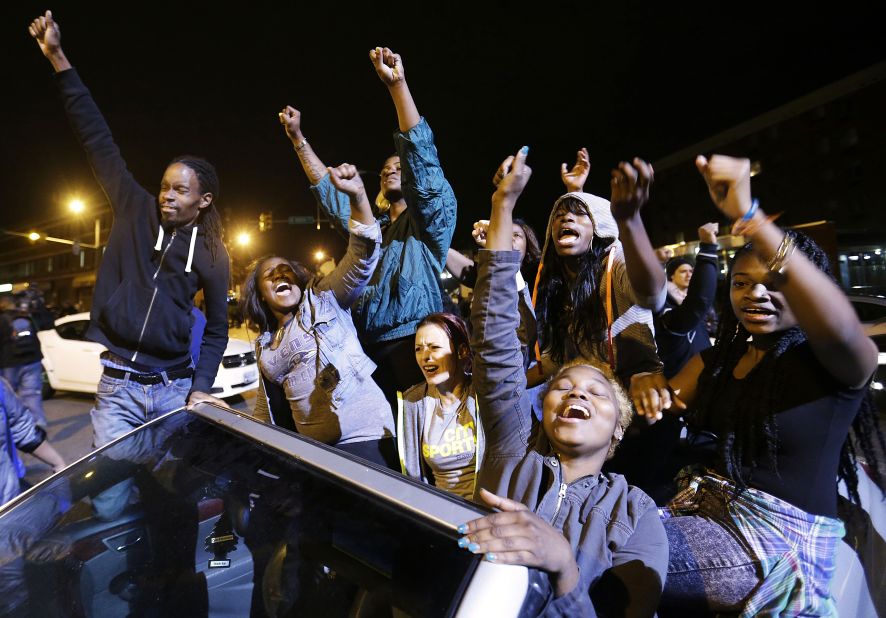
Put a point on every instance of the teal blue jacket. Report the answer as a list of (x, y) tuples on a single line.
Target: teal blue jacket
[(405, 286)]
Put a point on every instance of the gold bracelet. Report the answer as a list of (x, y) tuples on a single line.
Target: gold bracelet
[(779, 261)]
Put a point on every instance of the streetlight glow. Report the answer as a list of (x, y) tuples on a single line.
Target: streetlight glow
[(76, 206), (319, 255), (34, 236), (243, 239)]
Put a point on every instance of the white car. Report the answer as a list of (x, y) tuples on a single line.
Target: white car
[(71, 362), (871, 311)]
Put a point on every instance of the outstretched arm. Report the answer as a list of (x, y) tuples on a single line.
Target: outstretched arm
[(630, 191), (121, 189), (314, 169), (336, 204), (389, 67), (353, 272), (428, 195), (499, 378), (822, 309), (702, 287), (48, 36), (574, 179), (456, 263)]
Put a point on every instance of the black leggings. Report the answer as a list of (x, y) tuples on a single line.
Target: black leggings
[(380, 452)]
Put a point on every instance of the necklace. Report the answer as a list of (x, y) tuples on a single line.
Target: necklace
[(277, 339)]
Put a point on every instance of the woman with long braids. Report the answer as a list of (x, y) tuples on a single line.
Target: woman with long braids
[(785, 389)]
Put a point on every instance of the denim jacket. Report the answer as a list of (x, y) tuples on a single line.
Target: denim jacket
[(405, 287), (17, 431), (320, 365), (614, 529)]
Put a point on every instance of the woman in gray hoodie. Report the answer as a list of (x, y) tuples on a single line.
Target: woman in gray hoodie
[(600, 541)]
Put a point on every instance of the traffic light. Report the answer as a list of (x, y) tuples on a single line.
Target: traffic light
[(266, 221)]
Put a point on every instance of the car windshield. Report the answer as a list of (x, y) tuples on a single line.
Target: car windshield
[(187, 516)]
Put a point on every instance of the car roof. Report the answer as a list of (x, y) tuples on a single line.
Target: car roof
[(389, 486), (875, 299), (74, 317)]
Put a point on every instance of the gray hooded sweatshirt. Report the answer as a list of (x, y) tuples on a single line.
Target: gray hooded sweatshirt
[(633, 333)]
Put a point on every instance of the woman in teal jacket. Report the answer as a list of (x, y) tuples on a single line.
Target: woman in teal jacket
[(417, 227)]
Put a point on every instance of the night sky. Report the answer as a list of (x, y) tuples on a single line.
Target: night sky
[(621, 78)]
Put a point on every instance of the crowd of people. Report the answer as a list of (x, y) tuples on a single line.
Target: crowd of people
[(577, 346)]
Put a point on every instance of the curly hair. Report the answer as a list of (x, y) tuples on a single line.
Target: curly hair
[(209, 219), (561, 306), (253, 306), (622, 401), (750, 429)]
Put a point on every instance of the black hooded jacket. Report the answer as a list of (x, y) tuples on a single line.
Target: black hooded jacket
[(141, 308)]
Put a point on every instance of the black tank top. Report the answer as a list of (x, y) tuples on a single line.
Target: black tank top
[(813, 416)]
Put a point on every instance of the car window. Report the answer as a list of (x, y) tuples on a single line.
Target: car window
[(869, 311), (75, 330), (189, 516)]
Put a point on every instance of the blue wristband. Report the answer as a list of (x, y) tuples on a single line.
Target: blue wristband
[(752, 210)]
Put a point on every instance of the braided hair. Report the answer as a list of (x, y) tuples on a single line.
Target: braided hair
[(209, 219), (750, 435), (579, 305)]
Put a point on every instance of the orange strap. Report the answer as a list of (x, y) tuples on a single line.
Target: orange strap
[(541, 266), (608, 301)]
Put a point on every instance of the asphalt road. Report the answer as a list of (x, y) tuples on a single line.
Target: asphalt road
[(70, 429)]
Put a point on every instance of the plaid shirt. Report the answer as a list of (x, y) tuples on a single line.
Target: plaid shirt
[(797, 551)]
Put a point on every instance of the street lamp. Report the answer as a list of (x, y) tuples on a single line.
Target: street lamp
[(76, 206), (319, 255), (243, 239), (34, 236)]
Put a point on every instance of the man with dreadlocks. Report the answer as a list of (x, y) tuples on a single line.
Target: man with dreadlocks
[(156, 260), (786, 390)]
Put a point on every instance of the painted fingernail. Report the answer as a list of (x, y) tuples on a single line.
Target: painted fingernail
[(463, 542), (524, 151), (473, 548), (490, 557), (462, 528)]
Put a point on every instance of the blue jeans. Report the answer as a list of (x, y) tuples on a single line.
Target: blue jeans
[(122, 405), (27, 382)]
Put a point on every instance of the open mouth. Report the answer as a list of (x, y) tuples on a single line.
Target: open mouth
[(282, 287), (757, 313), (430, 369), (567, 236), (574, 411)]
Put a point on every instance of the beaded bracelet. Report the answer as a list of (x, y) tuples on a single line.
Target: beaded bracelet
[(755, 203)]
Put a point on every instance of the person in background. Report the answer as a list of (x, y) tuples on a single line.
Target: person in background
[(20, 357), (525, 241), (18, 431), (680, 328), (599, 282), (418, 213)]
